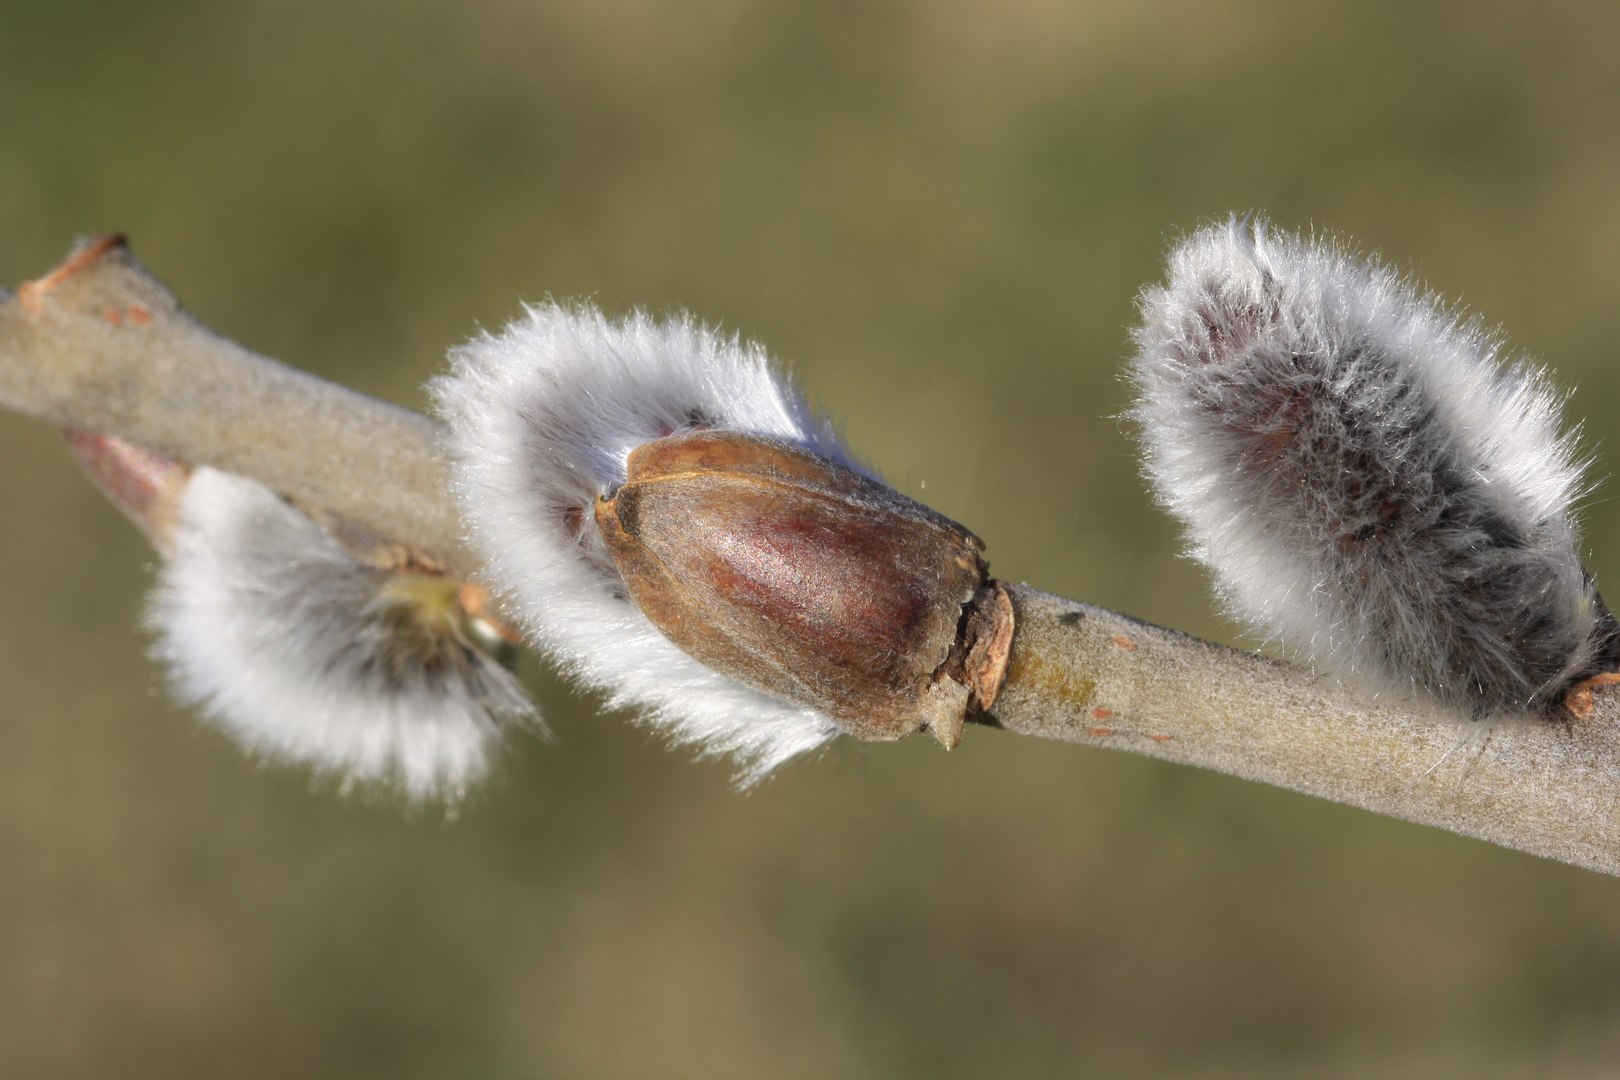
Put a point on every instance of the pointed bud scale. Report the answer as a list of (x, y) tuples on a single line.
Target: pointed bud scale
[(798, 577), (145, 486)]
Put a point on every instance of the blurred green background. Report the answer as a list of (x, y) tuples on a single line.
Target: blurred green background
[(939, 212)]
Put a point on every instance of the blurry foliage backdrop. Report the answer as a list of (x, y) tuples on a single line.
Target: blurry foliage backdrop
[(938, 212)]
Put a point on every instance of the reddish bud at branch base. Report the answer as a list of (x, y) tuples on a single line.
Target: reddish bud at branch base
[(145, 485), (798, 577)]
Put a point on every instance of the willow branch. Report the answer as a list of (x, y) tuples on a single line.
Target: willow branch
[(101, 345), (1085, 675)]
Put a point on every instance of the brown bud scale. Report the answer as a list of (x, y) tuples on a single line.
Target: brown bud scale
[(799, 577)]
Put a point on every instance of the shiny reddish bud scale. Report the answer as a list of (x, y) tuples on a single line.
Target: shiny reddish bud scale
[(798, 577)]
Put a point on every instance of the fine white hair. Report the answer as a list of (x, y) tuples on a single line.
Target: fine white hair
[(296, 650), (542, 418), (1371, 484)]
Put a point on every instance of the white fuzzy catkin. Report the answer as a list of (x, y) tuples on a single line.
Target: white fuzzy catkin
[(303, 655), (542, 418), (1369, 482)]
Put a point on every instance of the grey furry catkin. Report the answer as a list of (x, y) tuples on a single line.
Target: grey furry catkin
[(1370, 483), (306, 655)]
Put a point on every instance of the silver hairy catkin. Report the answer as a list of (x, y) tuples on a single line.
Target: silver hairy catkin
[(357, 660), (1371, 484), (543, 417), (305, 654)]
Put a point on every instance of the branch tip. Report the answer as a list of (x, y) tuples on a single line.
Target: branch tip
[(31, 294)]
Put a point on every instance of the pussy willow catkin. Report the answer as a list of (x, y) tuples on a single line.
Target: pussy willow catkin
[(1371, 484)]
